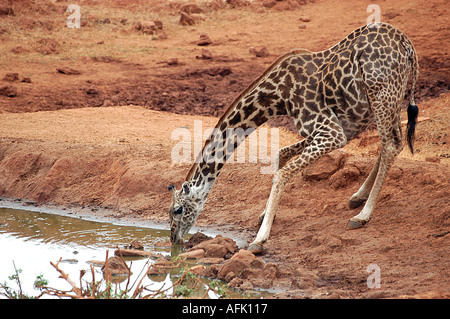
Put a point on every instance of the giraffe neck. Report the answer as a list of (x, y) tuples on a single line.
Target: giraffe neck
[(252, 108)]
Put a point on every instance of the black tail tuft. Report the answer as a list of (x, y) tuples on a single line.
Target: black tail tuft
[(413, 111)]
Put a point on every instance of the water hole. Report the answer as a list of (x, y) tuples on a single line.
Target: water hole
[(30, 240)]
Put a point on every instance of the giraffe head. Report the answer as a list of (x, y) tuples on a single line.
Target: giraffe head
[(183, 212)]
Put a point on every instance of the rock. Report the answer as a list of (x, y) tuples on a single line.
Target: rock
[(223, 71), (193, 254), (146, 27), (197, 270), (270, 271), (115, 266), (235, 282), (68, 71), (326, 166), (302, 26), (263, 52), (6, 10), (161, 266), (135, 244), (217, 4), (173, 61), (186, 19), (217, 247), (8, 90), (246, 285), (216, 251), (345, 176), (229, 276), (133, 252), (211, 271), (206, 55), (304, 19), (190, 8), (162, 36), (238, 3), (11, 77), (269, 3), (19, 50), (26, 79), (204, 40), (166, 243), (211, 260), (47, 46), (92, 91), (195, 239), (158, 24), (236, 264)]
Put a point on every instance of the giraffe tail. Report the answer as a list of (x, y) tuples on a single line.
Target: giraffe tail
[(412, 110)]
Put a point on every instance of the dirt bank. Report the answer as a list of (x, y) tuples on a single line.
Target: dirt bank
[(64, 139), (127, 169)]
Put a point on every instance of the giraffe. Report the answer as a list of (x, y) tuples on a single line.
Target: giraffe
[(332, 96)]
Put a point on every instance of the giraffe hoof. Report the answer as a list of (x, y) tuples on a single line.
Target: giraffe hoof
[(355, 224), (354, 203), (255, 249)]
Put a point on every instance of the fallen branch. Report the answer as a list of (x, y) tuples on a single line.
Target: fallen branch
[(66, 277)]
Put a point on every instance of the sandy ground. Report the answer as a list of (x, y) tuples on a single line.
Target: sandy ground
[(102, 138)]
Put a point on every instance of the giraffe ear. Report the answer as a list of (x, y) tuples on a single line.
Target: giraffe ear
[(186, 188)]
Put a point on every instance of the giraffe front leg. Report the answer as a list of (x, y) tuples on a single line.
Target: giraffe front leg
[(268, 214), (282, 157), (323, 143)]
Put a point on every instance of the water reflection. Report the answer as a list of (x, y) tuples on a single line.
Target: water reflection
[(32, 240)]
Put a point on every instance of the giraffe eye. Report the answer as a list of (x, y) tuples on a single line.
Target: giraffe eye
[(178, 211)]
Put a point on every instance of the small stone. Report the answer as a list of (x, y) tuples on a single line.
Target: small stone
[(217, 4), (204, 40), (263, 52), (158, 24), (304, 19), (191, 8), (11, 77), (173, 61), (162, 35), (68, 71), (186, 19), (193, 254), (211, 260), (8, 90), (229, 276), (197, 270), (302, 26), (115, 266), (146, 27)]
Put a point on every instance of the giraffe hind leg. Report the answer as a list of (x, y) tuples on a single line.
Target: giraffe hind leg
[(391, 145), (362, 194)]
